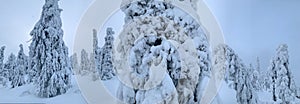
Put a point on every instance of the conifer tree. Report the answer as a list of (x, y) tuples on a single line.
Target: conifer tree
[(48, 53)]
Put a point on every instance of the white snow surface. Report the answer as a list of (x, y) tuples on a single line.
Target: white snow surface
[(25, 94)]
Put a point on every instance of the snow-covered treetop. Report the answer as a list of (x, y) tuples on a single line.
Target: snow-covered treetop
[(282, 52), (109, 37), (95, 40), (2, 53), (50, 19), (21, 56), (21, 51)]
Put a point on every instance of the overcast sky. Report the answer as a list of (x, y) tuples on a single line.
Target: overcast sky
[(18, 18), (251, 27), (256, 28)]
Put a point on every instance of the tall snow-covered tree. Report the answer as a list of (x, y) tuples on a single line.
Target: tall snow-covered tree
[(19, 71), (152, 17), (106, 70), (49, 54), (84, 63), (282, 83), (237, 75), (95, 62), (74, 63), (232, 64)]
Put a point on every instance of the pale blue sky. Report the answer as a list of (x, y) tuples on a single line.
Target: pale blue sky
[(251, 27)]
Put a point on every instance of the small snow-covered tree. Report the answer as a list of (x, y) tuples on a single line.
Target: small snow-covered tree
[(251, 91), (19, 71), (74, 63), (106, 70), (258, 76), (48, 53), (246, 94), (84, 63), (9, 67), (282, 83)]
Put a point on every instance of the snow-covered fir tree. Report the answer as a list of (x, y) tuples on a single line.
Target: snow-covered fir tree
[(237, 75), (19, 72), (232, 64), (153, 17), (9, 67), (258, 76), (95, 62), (106, 71), (74, 63), (48, 53), (282, 84), (256, 81), (84, 63), (246, 94)]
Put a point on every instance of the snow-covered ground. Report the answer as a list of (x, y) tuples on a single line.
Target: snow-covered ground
[(97, 92), (228, 96), (24, 94), (104, 92)]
